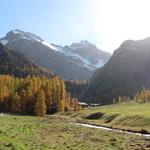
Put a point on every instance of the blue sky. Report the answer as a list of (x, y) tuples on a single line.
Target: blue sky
[(106, 23), (57, 21)]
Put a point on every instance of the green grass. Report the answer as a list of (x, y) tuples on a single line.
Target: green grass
[(34, 133), (133, 116)]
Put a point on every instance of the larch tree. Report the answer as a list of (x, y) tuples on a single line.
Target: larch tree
[(40, 105), (16, 103), (23, 100)]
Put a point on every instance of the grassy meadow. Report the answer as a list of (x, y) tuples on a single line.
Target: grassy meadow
[(35, 133), (59, 132), (133, 116)]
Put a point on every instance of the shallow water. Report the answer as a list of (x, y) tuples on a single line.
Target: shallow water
[(111, 129)]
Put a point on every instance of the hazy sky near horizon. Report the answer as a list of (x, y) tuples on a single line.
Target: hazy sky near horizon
[(106, 23)]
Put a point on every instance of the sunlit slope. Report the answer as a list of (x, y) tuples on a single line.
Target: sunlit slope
[(133, 116), (126, 73)]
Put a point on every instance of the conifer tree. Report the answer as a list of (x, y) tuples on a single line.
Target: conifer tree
[(16, 103), (40, 105), (61, 106), (23, 99)]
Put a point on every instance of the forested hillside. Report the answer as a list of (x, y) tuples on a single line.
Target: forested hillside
[(126, 73), (76, 88), (15, 63)]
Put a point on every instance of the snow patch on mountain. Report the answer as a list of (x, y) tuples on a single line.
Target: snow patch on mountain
[(79, 59), (99, 64), (31, 37), (17, 32), (82, 44), (49, 45), (4, 41)]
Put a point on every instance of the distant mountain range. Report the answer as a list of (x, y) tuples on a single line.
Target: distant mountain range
[(15, 63), (127, 71), (77, 61)]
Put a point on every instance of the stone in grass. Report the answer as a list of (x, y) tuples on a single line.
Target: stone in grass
[(9, 145), (113, 141)]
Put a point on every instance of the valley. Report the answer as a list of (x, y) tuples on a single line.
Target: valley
[(75, 75), (42, 85), (61, 133)]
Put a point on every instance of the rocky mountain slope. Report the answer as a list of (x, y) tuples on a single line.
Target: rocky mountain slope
[(77, 61)]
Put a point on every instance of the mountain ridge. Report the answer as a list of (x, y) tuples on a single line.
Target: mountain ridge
[(54, 57)]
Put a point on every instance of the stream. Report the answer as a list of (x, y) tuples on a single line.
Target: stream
[(111, 129)]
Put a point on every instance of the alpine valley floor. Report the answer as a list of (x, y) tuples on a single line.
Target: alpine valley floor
[(59, 132)]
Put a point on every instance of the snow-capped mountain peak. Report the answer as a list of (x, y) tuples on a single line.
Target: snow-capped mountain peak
[(18, 34), (25, 35), (82, 44), (83, 54), (89, 55)]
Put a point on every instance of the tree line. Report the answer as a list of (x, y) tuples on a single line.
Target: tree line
[(142, 96), (35, 95), (76, 88)]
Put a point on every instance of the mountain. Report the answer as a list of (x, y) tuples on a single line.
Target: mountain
[(69, 62), (88, 54), (14, 63), (124, 74)]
